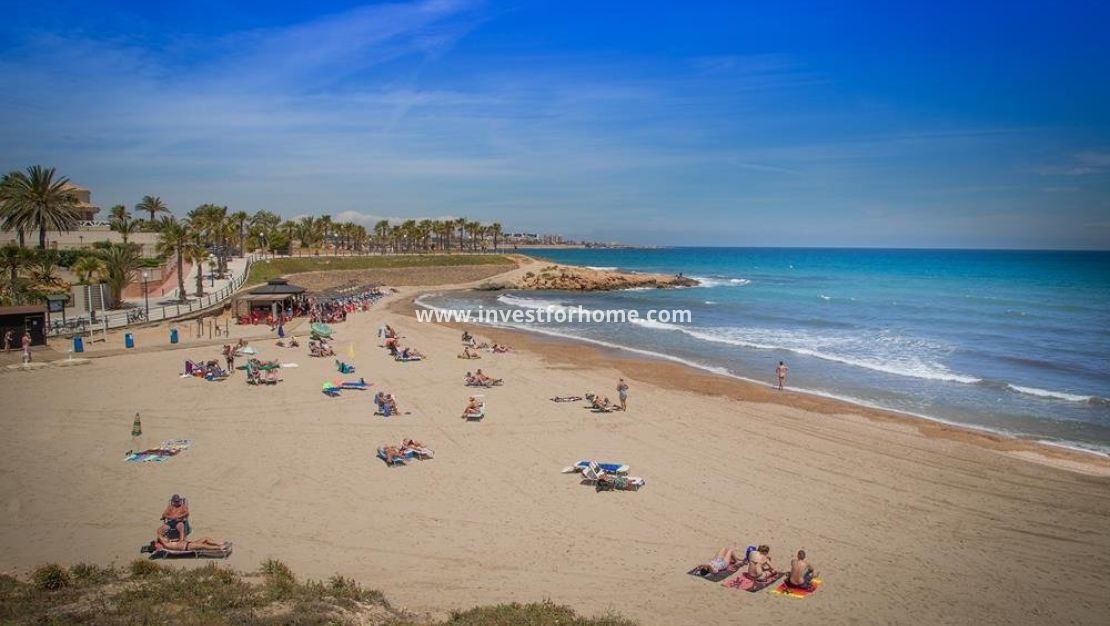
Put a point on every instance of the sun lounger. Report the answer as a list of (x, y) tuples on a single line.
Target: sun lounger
[(608, 468), (359, 384), (401, 359), (159, 552)]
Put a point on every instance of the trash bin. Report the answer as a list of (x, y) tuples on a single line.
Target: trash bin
[(128, 340), (78, 344), (173, 335)]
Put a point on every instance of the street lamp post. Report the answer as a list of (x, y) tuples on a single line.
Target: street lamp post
[(146, 293)]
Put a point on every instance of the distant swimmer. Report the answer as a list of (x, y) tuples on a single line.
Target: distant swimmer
[(781, 371)]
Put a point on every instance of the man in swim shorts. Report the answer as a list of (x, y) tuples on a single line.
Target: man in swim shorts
[(801, 573)]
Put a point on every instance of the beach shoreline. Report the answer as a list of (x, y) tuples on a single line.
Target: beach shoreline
[(681, 375)]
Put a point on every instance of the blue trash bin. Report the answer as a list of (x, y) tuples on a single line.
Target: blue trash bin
[(78, 344), (173, 335), (128, 340)]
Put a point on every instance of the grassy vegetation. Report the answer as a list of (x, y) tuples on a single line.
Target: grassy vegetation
[(265, 270), (149, 593)]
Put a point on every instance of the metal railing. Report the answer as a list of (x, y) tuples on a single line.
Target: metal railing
[(158, 312)]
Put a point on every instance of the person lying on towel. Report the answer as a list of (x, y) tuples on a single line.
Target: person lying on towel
[(393, 454), (801, 573), (473, 408), (467, 353), (759, 564), (164, 542), (727, 558)]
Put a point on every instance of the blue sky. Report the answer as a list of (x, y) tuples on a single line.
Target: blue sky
[(697, 123)]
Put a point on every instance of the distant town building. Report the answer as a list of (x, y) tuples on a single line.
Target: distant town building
[(86, 210)]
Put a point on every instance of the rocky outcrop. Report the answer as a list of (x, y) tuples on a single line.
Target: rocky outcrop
[(570, 278)]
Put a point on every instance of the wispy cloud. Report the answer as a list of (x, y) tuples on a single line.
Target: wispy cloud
[(1079, 164)]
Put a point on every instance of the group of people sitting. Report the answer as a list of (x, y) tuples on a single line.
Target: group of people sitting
[(320, 348), (757, 560), (335, 309), (290, 343), (386, 404), (478, 379), (173, 533), (471, 347), (391, 341), (208, 370), (261, 372), (408, 449), (598, 403)]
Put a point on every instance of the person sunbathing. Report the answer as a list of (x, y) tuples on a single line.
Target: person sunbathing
[(473, 408), (801, 573), (485, 380), (163, 540), (726, 559), (411, 353), (393, 454), (499, 349), (601, 404), (467, 353), (759, 564)]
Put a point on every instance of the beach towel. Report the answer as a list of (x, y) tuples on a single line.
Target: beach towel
[(157, 552), (620, 483), (795, 592), (168, 448), (401, 359), (706, 573), (359, 384), (330, 390), (746, 583), (566, 398), (609, 468)]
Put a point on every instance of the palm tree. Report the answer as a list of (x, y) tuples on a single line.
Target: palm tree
[(460, 224), (496, 231), (310, 232), (289, 229), (263, 225), (120, 262), (173, 238), (88, 269), (119, 212), (12, 260), (474, 231), (124, 226), (152, 205), (197, 254), (33, 200), (240, 219), (381, 232), (446, 227)]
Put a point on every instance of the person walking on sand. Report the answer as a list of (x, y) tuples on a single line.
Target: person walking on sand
[(781, 371), (26, 347), (622, 391), (8, 340)]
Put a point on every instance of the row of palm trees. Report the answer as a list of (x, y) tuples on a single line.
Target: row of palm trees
[(37, 200)]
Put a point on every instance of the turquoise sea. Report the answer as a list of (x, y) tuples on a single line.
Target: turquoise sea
[(1010, 341)]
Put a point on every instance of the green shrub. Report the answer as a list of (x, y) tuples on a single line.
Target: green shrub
[(145, 568), (51, 577), (87, 573)]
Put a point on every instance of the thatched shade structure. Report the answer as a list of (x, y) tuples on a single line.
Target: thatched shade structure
[(274, 295)]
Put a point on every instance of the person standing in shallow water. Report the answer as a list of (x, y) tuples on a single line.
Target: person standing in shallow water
[(622, 391), (781, 371)]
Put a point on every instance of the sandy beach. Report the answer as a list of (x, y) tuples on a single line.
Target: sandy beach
[(907, 522)]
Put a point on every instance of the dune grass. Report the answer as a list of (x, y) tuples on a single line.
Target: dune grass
[(263, 271), (147, 592)]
